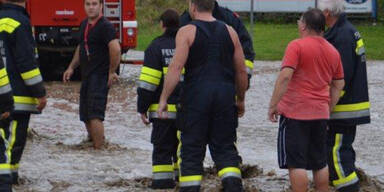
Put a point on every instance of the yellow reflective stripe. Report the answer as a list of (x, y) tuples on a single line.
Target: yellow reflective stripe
[(179, 151), (150, 79), (3, 72), (25, 100), (352, 107), (345, 180), (31, 74), (12, 141), (360, 44), (229, 170), (152, 72), (175, 166), (249, 64), (191, 178), (165, 70), (335, 156), (155, 107), (8, 24), (162, 168), (15, 166), (4, 81), (5, 166), (342, 93)]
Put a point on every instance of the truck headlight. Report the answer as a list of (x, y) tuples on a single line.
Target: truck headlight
[(130, 32)]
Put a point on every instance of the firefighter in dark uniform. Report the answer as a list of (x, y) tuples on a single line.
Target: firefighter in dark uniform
[(233, 20), (18, 50), (157, 58), (6, 106), (214, 74), (354, 107)]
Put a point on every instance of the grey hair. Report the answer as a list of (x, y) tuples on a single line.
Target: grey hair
[(335, 7)]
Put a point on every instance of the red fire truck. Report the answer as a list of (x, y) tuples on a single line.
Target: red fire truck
[(56, 29)]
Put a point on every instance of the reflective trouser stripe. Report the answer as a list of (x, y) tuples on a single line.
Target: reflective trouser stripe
[(178, 152), (188, 181), (336, 156), (146, 85), (11, 140), (351, 107), (5, 89), (3, 72), (342, 179), (162, 168), (346, 181), (5, 168), (171, 114), (230, 172), (351, 114), (163, 175), (25, 107)]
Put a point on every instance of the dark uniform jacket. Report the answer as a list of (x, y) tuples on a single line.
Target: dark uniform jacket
[(157, 58), (232, 19), (18, 49), (353, 107), (6, 100)]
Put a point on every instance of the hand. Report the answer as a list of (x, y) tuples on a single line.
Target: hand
[(5, 115), (112, 78), (42, 103), (67, 75), (144, 118), (273, 114), (163, 110), (240, 108)]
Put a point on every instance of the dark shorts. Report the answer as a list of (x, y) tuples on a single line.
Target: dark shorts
[(93, 97), (302, 144)]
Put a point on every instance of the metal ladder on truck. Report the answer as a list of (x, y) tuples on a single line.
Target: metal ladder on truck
[(113, 12)]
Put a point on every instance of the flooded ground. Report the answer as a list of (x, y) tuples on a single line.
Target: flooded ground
[(58, 157)]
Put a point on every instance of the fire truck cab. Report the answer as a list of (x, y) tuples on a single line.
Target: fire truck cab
[(56, 29)]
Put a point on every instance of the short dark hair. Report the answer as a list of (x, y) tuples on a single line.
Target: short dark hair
[(204, 5), (314, 19), (170, 18)]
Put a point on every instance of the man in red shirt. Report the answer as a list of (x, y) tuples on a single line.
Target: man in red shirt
[(308, 87)]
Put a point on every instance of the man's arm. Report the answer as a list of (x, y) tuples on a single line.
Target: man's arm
[(183, 43), (73, 65), (281, 86), (240, 70), (336, 88), (115, 55)]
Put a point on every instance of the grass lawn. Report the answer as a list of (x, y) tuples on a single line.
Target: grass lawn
[(270, 40)]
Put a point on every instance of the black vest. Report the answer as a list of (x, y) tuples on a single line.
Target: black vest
[(211, 54)]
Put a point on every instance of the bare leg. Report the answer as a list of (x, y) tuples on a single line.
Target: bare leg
[(97, 133), (299, 180), (89, 131), (321, 178)]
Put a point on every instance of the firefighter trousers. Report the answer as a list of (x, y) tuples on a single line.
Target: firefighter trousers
[(5, 159), (164, 159), (341, 158), (208, 116), (17, 138)]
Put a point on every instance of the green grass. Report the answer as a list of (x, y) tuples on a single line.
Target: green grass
[(270, 40)]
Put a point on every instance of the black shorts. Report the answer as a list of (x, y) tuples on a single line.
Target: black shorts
[(93, 97), (302, 144)]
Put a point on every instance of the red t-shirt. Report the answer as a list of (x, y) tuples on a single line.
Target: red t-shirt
[(316, 63)]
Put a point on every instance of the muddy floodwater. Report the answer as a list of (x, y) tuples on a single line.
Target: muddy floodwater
[(58, 157)]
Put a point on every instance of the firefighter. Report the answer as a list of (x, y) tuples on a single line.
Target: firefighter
[(164, 133), (6, 106), (214, 73), (232, 19), (19, 53), (98, 55), (353, 108)]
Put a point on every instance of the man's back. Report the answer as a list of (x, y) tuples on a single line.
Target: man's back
[(316, 64)]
